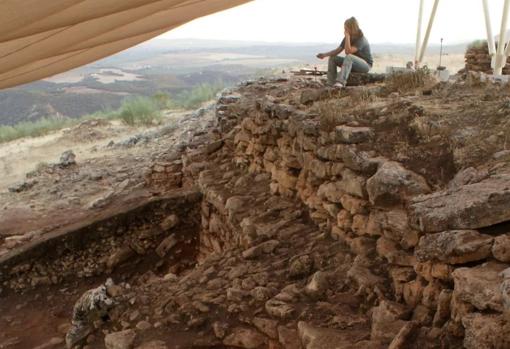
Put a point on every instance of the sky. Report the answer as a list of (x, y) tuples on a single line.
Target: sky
[(391, 21)]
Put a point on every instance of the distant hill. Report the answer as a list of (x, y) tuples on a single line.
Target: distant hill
[(171, 66)]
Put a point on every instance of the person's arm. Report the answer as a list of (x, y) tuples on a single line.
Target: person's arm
[(332, 53), (349, 48)]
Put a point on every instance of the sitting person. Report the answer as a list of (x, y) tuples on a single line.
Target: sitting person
[(358, 57)]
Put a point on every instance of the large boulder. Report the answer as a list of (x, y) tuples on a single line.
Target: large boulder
[(393, 184), (454, 247), (471, 206), (480, 286)]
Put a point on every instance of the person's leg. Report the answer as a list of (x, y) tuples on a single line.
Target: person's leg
[(334, 63), (351, 64)]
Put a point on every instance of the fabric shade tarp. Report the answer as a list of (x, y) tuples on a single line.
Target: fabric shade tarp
[(43, 38)]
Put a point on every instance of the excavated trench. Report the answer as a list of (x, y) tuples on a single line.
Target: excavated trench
[(41, 282)]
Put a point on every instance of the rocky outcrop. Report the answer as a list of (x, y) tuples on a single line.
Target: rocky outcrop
[(454, 247), (470, 206)]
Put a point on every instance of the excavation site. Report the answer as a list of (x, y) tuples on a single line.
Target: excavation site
[(232, 174), (280, 222)]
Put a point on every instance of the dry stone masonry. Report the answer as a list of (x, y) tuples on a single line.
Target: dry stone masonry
[(321, 234)]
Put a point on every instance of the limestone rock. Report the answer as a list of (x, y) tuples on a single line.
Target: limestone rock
[(393, 254), (245, 338), (364, 277), (166, 245), (220, 329), (331, 191), (318, 285), (401, 339), (443, 308), (101, 200), (321, 338), (454, 247), (301, 266), (485, 332), (68, 158), (392, 184), (288, 338), (353, 135), (480, 286), (169, 222), (359, 161), (309, 96), (261, 249), (236, 204), (501, 248), (471, 206), (120, 340), (119, 256), (353, 184), (22, 186), (387, 320), (266, 326), (279, 309)]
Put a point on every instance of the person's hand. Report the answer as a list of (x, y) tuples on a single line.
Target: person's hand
[(347, 34), (321, 56)]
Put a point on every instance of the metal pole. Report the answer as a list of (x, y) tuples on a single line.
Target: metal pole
[(488, 25), (500, 54), (418, 33), (440, 55), (429, 29)]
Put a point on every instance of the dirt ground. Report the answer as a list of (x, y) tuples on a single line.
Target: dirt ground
[(111, 162)]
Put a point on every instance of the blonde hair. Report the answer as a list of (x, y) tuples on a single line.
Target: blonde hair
[(352, 27)]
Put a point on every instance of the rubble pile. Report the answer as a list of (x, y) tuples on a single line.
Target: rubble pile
[(143, 232)]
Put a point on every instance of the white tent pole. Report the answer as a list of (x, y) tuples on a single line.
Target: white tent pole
[(418, 33), (488, 25), (500, 54), (429, 29)]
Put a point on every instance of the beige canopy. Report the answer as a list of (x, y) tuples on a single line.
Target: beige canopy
[(41, 38)]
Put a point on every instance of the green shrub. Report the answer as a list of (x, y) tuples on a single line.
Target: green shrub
[(140, 111), (136, 111), (198, 95), (37, 128), (163, 100)]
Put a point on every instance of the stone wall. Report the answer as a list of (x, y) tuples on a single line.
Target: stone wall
[(479, 60), (430, 258)]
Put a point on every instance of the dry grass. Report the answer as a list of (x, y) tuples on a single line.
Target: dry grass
[(409, 81), (330, 112), (477, 44), (363, 97)]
